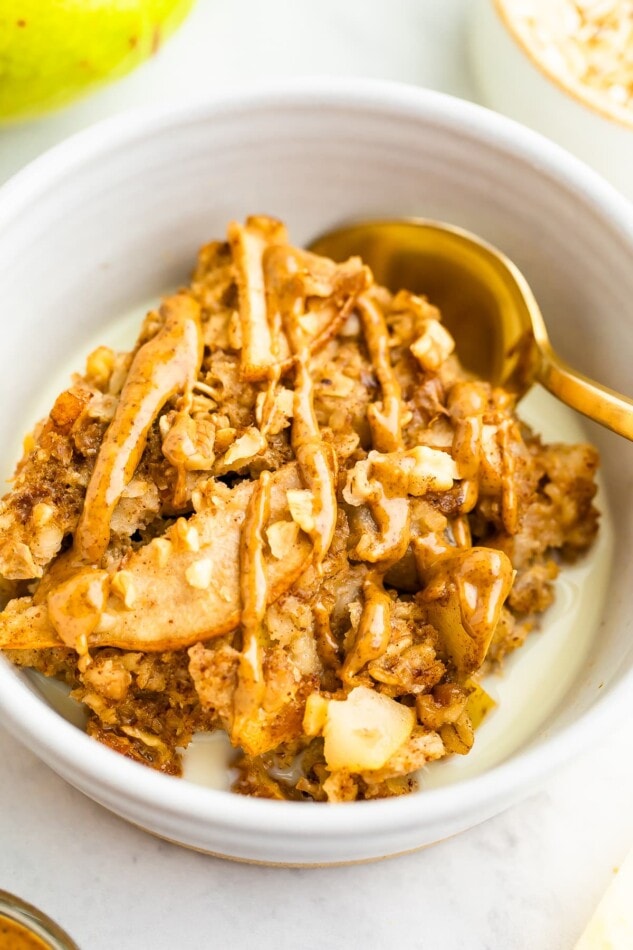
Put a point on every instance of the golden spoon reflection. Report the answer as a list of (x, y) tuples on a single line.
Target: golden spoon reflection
[(486, 304)]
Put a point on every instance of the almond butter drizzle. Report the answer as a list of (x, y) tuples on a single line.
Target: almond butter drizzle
[(168, 364), (391, 514), (467, 403), (385, 420), (509, 500), (464, 590), (317, 460), (476, 582), (327, 647), (253, 588), (374, 628)]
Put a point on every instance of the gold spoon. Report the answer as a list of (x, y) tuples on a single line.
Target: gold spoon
[(486, 303)]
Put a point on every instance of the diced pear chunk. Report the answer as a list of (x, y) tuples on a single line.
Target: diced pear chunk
[(246, 447), (433, 470), (434, 345), (301, 505), (364, 730), (315, 715)]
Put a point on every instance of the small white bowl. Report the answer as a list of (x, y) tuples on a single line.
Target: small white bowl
[(513, 78), (114, 216)]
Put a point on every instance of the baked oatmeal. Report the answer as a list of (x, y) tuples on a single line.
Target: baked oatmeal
[(289, 514)]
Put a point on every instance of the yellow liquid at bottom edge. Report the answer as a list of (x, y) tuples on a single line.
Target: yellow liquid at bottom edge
[(15, 936)]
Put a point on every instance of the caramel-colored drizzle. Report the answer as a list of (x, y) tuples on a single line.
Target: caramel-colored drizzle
[(429, 549), (274, 372), (167, 364), (467, 403), (509, 500), (253, 588), (374, 628), (317, 460), (464, 592), (461, 532), (317, 464), (386, 420), (327, 647), (391, 514)]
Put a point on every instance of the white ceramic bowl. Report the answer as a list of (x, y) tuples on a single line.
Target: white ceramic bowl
[(113, 217), (513, 78)]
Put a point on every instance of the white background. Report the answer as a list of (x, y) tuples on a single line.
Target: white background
[(526, 879)]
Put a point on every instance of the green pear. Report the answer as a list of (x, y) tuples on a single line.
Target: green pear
[(52, 51)]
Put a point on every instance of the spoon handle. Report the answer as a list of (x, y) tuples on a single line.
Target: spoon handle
[(597, 402)]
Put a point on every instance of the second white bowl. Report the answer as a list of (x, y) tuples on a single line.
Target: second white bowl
[(514, 80)]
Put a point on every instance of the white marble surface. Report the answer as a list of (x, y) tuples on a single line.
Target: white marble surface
[(526, 879)]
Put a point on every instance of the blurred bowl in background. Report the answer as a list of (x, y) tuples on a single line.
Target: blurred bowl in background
[(540, 62)]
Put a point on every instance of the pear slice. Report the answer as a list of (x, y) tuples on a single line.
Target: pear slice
[(25, 626), (464, 595), (179, 589)]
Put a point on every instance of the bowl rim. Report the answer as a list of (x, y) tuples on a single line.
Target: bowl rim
[(76, 756), (576, 91)]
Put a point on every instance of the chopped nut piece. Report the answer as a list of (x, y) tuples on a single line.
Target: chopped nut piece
[(281, 413), (99, 366), (251, 443), (47, 542), (282, 535), (351, 327), (224, 437), (342, 386), (109, 678), (199, 573), (458, 736), (300, 503), (187, 535), (188, 442), (415, 472), (123, 586), (315, 716), (433, 470), (434, 345), (42, 514), (163, 548)]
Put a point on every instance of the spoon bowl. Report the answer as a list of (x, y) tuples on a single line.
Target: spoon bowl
[(486, 304)]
